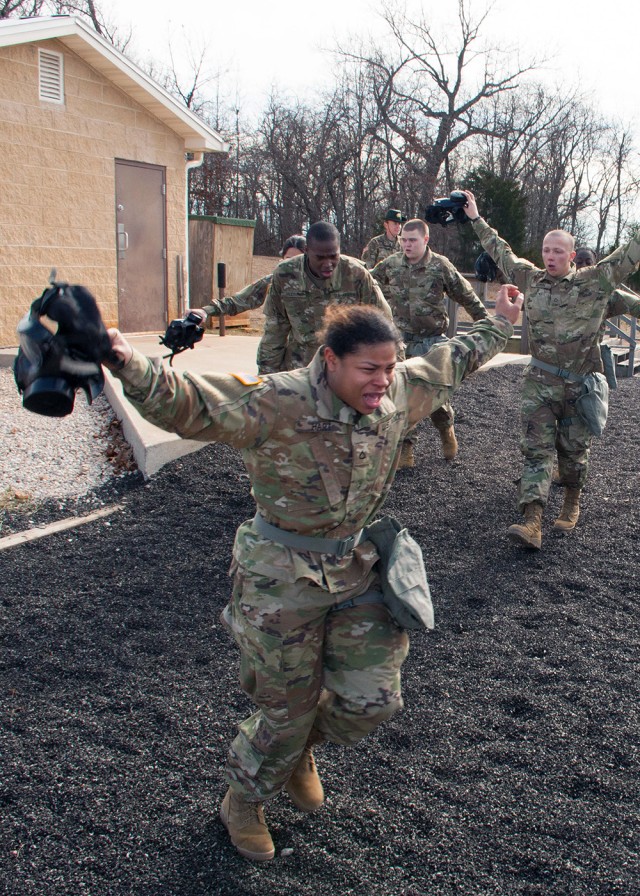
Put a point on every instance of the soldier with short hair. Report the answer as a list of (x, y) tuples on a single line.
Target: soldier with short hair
[(320, 655), (415, 282), (301, 290), (566, 309), (386, 243)]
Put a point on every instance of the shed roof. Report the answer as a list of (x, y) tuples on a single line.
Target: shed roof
[(78, 36)]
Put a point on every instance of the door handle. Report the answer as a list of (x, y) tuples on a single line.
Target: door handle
[(123, 239)]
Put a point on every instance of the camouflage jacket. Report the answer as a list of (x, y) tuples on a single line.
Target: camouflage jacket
[(252, 296), (565, 315), (316, 466), (378, 248), (416, 293), (296, 304)]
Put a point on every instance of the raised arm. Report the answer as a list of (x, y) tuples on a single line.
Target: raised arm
[(500, 250)]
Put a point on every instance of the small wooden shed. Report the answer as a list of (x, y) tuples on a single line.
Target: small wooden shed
[(94, 161), (214, 240)]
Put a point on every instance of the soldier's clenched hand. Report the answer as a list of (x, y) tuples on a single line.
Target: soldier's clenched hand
[(509, 302)]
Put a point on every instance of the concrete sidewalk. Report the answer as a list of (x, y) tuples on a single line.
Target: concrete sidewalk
[(153, 447)]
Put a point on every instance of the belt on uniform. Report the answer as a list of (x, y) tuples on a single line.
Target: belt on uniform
[(565, 375), (557, 371), (369, 597), (338, 547)]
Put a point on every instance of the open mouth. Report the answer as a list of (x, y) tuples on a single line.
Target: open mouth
[(372, 400)]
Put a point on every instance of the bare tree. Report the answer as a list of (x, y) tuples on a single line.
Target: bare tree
[(575, 167), (20, 8), (428, 95)]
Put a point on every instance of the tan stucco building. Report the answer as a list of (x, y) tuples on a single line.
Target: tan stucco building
[(94, 158)]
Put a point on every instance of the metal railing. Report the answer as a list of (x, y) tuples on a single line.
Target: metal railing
[(627, 340)]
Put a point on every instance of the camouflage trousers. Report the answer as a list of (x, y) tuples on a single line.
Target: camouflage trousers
[(547, 408), (443, 417), (306, 665)]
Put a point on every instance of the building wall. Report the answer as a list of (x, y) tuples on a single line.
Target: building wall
[(57, 182)]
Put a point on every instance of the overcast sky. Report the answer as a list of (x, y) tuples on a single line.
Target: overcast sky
[(260, 44)]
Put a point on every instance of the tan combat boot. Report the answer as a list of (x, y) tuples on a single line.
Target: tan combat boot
[(304, 786), (407, 460), (570, 510), (247, 828), (449, 442), (528, 533)]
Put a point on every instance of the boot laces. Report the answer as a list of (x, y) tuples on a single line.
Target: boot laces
[(307, 760), (248, 814)]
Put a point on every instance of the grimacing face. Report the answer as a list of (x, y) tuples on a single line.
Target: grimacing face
[(361, 378), (323, 257)]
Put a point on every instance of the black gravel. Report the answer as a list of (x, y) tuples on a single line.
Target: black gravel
[(513, 768)]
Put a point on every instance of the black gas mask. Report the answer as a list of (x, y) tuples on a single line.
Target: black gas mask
[(448, 210), (51, 367), (485, 268)]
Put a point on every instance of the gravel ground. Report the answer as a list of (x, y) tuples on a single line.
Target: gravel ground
[(53, 467), (513, 768)]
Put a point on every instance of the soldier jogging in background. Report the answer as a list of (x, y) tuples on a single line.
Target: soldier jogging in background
[(415, 283), (386, 243), (300, 291), (320, 654), (565, 310)]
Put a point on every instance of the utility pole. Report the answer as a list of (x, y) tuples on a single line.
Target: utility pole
[(237, 162)]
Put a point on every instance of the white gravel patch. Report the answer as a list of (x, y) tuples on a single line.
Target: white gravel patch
[(48, 457)]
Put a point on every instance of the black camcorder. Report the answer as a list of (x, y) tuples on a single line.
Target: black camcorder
[(51, 366), (182, 333), (446, 211)]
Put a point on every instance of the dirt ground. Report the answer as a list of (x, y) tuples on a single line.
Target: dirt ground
[(513, 768)]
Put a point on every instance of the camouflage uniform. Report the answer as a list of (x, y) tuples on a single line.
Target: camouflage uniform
[(317, 468), (296, 304), (416, 294), (252, 296), (565, 317), (378, 248)]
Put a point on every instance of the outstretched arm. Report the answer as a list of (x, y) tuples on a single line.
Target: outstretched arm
[(210, 407), (250, 297)]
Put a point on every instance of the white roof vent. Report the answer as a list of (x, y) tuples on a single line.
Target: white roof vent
[(51, 76)]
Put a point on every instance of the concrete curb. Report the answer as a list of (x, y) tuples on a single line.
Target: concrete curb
[(152, 447)]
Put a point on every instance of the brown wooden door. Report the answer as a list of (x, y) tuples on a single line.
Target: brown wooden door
[(141, 247)]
